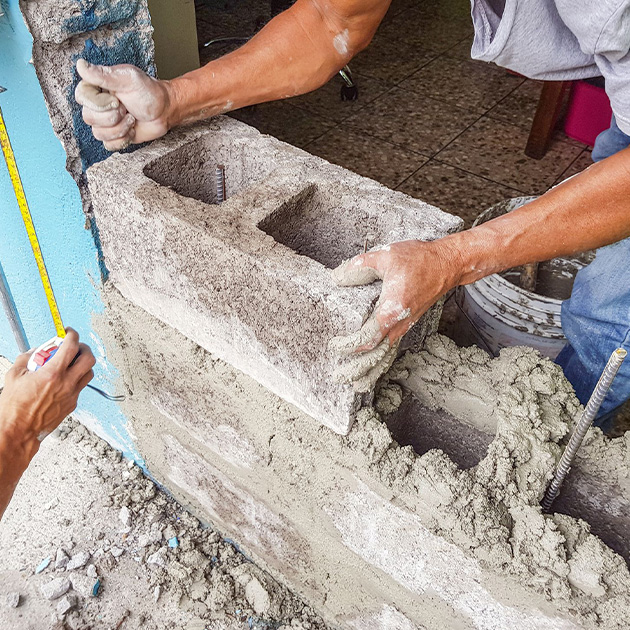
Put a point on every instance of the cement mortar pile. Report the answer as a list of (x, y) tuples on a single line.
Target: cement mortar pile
[(492, 510)]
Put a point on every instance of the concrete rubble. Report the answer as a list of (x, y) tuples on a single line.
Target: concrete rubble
[(78, 560), (204, 579), (249, 279), (56, 588)]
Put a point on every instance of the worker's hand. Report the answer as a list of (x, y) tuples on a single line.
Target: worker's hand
[(415, 275), (122, 104), (33, 404)]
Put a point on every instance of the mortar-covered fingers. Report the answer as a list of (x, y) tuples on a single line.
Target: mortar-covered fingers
[(115, 79), (105, 119), (363, 369), (95, 100), (116, 132), (122, 104), (367, 381), (362, 338), (360, 270)]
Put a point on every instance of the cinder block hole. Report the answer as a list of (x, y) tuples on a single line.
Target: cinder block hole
[(329, 224), (601, 505), (190, 170), (582, 496), (425, 429)]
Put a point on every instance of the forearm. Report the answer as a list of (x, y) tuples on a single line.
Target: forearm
[(16, 452), (296, 52), (590, 210)]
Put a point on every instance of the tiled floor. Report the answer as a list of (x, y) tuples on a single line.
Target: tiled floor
[(429, 121)]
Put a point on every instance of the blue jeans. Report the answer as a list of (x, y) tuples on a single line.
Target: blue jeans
[(596, 318)]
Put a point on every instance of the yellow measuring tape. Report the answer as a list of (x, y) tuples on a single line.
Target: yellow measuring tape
[(16, 181)]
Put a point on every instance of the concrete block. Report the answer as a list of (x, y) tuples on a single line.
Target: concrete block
[(56, 22), (248, 279)]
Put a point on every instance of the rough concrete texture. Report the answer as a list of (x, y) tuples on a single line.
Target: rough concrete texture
[(371, 533), (248, 279), (598, 489), (101, 32), (69, 503)]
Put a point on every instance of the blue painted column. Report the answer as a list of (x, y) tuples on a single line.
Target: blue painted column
[(69, 249)]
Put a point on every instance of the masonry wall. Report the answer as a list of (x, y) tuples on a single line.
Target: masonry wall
[(370, 533)]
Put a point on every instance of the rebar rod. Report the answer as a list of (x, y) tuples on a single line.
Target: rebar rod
[(221, 190), (585, 421)]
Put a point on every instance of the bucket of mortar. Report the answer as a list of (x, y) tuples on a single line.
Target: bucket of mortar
[(495, 312)]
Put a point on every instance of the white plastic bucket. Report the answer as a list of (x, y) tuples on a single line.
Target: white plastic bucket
[(497, 313)]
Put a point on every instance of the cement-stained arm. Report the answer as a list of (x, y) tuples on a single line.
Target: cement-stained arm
[(588, 211), (296, 52), (33, 404)]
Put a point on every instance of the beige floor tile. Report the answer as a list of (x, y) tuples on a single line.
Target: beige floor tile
[(412, 121), (475, 85), (495, 150), (285, 122), (368, 156), (581, 163), (453, 190), (389, 60), (427, 28), (326, 101)]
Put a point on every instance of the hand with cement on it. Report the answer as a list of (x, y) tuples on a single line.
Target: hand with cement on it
[(122, 104), (415, 275)]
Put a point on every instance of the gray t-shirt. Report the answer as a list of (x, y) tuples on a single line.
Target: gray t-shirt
[(559, 40)]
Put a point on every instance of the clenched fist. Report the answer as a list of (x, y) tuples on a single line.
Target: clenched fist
[(122, 104)]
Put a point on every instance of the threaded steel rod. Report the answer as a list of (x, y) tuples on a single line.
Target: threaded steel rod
[(221, 191), (585, 421)]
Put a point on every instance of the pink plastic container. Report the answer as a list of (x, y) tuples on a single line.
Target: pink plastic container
[(588, 114)]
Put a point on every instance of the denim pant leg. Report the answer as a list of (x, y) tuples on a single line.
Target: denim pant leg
[(610, 142), (596, 321)]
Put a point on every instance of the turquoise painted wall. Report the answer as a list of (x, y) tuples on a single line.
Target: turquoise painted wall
[(69, 248)]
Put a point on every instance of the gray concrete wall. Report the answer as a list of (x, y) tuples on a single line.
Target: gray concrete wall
[(101, 32)]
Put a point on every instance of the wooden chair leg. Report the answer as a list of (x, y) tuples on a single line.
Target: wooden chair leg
[(549, 107)]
